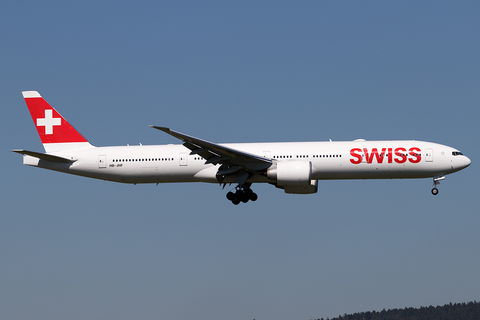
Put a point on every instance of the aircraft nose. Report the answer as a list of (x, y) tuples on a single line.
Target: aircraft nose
[(467, 162)]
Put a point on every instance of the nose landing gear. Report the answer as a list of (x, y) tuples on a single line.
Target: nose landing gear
[(242, 194), (436, 181)]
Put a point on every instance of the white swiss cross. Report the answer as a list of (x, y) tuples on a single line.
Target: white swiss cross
[(49, 121)]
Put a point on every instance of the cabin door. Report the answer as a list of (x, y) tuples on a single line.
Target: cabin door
[(102, 161), (429, 155), (183, 159)]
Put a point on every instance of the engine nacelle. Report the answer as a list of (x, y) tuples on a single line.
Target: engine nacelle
[(293, 177), (302, 189)]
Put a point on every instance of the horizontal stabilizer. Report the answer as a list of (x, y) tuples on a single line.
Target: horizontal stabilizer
[(44, 156)]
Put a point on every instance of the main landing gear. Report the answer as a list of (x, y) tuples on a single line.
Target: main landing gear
[(436, 181), (242, 194)]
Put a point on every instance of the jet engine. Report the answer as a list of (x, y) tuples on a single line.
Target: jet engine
[(293, 176)]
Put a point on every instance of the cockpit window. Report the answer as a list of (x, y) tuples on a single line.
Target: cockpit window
[(457, 153)]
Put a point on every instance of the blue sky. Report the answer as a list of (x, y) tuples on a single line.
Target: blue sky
[(77, 248)]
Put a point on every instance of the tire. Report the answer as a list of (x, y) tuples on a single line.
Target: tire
[(434, 191), (230, 195)]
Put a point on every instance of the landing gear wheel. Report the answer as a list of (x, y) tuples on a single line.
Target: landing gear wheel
[(436, 182), (243, 193), (245, 197)]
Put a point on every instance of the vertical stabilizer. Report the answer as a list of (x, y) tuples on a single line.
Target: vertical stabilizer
[(54, 131)]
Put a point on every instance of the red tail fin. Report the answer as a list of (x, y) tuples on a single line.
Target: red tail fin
[(54, 131)]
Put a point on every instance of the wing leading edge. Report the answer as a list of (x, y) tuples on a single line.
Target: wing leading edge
[(232, 161)]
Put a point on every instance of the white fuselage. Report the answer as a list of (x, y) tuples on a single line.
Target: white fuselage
[(329, 160)]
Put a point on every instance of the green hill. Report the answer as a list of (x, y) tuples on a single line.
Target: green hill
[(457, 311)]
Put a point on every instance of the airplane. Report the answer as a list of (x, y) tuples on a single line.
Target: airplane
[(295, 167)]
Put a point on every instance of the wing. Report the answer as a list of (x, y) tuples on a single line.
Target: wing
[(232, 161)]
